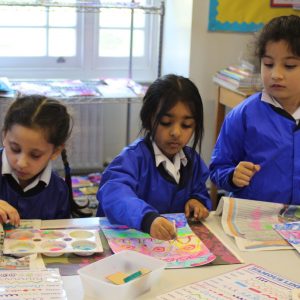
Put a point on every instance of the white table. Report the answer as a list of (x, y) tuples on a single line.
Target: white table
[(284, 262)]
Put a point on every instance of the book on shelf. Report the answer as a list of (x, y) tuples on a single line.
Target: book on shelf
[(68, 88), (5, 85), (238, 78), (121, 87), (6, 90), (74, 88)]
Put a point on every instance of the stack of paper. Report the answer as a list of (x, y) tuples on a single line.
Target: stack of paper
[(251, 223)]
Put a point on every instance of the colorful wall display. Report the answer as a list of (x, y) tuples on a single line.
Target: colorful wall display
[(246, 16)]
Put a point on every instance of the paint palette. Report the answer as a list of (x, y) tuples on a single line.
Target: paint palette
[(20, 242)]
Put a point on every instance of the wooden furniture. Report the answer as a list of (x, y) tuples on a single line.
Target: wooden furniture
[(226, 98)]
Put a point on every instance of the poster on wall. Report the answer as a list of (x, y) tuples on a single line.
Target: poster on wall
[(282, 3), (247, 16)]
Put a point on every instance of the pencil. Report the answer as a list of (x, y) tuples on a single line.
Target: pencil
[(175, 229)]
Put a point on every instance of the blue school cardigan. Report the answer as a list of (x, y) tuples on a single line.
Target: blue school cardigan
[(258, 132), (41, 202), (132, 187)]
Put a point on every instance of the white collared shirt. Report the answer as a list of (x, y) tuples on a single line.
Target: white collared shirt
[(271, 100), (172, 167), (44, 176)]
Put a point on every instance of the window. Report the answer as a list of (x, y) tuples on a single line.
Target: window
[(67, 42)]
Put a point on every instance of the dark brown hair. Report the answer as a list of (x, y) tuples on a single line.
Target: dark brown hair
[(163, 94), (52, 117)]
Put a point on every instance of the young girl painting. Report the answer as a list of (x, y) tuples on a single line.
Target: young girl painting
[(160, 173)]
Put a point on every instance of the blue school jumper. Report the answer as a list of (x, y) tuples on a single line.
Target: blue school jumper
[(133, 191), (41, 202), (258, 132)]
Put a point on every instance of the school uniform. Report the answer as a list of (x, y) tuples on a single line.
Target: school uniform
[(46, 198), (259, 131), (134, 191)]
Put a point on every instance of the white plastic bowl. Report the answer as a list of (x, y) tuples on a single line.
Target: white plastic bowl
[(95, 284)]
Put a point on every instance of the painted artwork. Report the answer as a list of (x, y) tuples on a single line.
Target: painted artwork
[(184, 252), (290, 232)]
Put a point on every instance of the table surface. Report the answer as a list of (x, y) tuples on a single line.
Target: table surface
[(283, 262)]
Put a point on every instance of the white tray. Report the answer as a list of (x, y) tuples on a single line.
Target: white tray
[(57, 242)]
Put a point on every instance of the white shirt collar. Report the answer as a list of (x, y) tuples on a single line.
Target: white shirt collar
[(172, 167), (271, 100), (44, 176)]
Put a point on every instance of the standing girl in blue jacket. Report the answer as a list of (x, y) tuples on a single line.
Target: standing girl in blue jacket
[(35, 131), (257, 154), (159, 173)]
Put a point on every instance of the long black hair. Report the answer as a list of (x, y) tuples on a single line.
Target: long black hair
[(286, 28), (162, 95)]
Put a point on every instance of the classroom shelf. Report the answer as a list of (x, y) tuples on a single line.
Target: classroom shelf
[(95, 6), (58, 92), (84, 5)]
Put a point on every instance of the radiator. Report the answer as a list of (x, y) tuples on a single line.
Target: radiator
[(85, 146)]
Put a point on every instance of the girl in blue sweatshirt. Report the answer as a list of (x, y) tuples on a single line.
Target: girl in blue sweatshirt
[(257, 154), (35, 131), (159, 173)]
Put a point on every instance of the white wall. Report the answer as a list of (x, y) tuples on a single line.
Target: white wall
[(188, 41), (211, 51)]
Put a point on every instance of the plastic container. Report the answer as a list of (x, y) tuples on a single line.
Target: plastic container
[(95, 284)]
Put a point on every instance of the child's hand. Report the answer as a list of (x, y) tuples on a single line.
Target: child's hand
[(243, 173), (9, 214), (162, 229), (195, 209)]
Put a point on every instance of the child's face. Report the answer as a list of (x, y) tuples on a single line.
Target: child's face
[(27, 152), (174, 130), (280, 70)]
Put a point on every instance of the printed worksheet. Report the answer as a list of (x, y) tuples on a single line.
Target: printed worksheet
[(34, 284), (250, 282), (290, 232)]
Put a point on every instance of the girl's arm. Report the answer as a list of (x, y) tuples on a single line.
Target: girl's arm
[(117, 194), (228, 152)]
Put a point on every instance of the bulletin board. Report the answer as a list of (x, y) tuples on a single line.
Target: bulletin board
[(246, 16)]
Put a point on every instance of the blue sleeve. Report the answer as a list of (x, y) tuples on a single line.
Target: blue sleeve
[(228, 151), (117, 194), (199, 189)]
